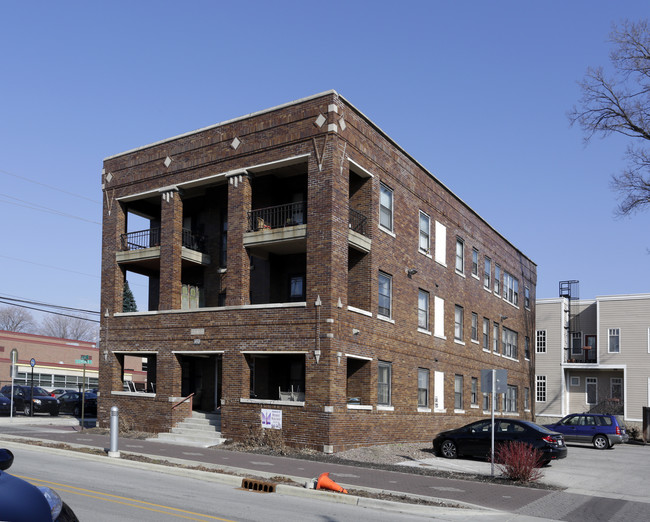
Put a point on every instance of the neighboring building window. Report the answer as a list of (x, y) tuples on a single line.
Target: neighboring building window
[(575, 381), (495, 337), (527, 297), (383, 383), (441, 244), (425, 235), (487, 274), (474, 327), (576, 343), (527, 348), (460, 254), (526, 399), (540, 381), (497, 279), (592, 390), (509, 343), (385, 294), (439, 317), (614, 340), (474, 396), (458, 323), (458, 392), (616, 384), (423, 310), (510, 288), (486, 402), (386, 208), (540, 344), (511, 399), (423, 388), (486, 334), (475, 262)]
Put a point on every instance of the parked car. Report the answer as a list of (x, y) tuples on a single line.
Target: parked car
[(59, 391), (601, 430), (475, 439), (20, 500), (5, 405), (42, 402), (70, 402)]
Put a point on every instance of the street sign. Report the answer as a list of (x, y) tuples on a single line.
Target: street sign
[(32, 362), (85, 359), (501, 381)]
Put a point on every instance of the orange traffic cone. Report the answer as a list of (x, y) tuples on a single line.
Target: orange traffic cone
[(325, 482)]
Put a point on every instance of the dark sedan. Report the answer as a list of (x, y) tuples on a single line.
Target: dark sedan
[(70, 402), (475, 439), (41, 402), (5, 405)]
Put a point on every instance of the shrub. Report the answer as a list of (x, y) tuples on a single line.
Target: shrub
[(519, 461)]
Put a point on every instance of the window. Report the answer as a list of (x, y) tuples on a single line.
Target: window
[(439, 391), (297, 288), (439, 317), (527, 297), (385, 294), (358, 375), (509, 343), (487, 273), (139, 370), (510, 288), (273, 373), (511, 399), (486, 334), (460, 254), (383, 383), (497, 279), (386, 208), (474, 327), (423, 388), (495, 337), (425, 227), (475, 262), (575, 381), (540, 382), (474, 396), (441, 244), (540, 345), (458, 392), (614, 345), (423, 310), (576, 343), (616, 384), (592, 390), (458, 323), (526, 399), (527, 348), (486, 402)]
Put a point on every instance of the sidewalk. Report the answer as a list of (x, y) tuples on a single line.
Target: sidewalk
[(483, 499)]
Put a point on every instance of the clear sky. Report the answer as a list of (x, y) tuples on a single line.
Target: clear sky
[(476, 91)]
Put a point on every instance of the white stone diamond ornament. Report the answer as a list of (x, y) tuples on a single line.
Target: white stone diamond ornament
[(320, 121), (168, 161), (235, 143)]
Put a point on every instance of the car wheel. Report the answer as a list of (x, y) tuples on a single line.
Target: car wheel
[(54, 413), (448, 449), (601, 442), (26, 410), (77, 411)]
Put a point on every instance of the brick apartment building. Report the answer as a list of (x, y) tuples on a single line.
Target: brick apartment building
[(306, 274), (56, 361)]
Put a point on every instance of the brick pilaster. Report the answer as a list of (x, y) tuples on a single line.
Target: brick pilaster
[(238, 263), (171, 243)]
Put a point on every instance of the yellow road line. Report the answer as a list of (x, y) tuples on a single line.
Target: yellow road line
[(140, 504)]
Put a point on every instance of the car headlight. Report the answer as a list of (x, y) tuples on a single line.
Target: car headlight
[(37, 401), (53, 499)]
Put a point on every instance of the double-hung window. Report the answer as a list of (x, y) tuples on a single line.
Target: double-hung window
[(486, 334), (475, 262), (487, 273), (527, 297), (458, 323), (474, 396), (423, 388), (511, 399), (527, 348), (458, 392), (385, 294), (497, 279), (386, 208), (495, 337), (509, 344), (474, 326), (510, 288), (460, 255), (614, 345), (425, 233), (383, 383), (423, 310)]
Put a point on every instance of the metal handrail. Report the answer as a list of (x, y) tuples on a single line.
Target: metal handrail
[(279, 216), (189, 397), (141, 239), (357, 222)]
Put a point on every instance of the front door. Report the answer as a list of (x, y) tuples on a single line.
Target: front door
[(200, 376)]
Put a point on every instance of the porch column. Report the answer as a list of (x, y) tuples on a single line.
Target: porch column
[(171, 243), (238, 262)]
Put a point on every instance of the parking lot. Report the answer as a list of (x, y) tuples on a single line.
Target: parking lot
[(620, 472)]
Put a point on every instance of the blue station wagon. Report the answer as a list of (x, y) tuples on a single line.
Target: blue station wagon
[(601, 430)]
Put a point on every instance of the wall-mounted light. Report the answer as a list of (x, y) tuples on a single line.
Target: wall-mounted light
[(503, 317), (355, 331), (338, 357), (410, 272), (317, 355)]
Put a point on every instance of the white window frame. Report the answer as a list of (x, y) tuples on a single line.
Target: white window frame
[(388, 367), (497, 279), (576, 349), (423, 387), (540, 341), (423, 310), (526, 298), (475, 263), (611, 334), (486, 334), (389, 279), (386, 192), (441, 244), (460, 256), (574, 381), (473, 398), (495, 337), (458, 393), (424, 245), (510, 288), (526, 399), (540, 388), (459, 319), (511, 399), (509, 342), (591, 381), (474, 327), (487, 273)]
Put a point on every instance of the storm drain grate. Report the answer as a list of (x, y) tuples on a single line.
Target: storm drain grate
[(258, 485)]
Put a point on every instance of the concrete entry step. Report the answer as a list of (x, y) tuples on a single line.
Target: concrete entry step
[(202, 429)]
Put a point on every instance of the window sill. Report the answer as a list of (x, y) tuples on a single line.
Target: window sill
[(438, 410), (387, 231), (359, 311), (458, 341), (359, 407), (422, 409), (133, 394), (385, 408), (486, 350), (475, 341), (385, 319), (459, 411), (272, 401), (423, 331), (443, 337), (487, 289), (425, 253), (461, 274), (475, 276), (474, 406)]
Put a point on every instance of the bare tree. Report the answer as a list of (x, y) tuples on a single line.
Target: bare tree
[(69, 327), (16, 319), (621, 105)]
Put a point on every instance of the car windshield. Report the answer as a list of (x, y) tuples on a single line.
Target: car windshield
[(537, 427), (38, 392)]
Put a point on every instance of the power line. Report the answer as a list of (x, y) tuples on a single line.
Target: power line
[(51, 312), (42, 208), (49, 266), (48, 186), (25, 302)]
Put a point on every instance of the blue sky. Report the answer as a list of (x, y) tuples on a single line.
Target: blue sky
[(476, 91)]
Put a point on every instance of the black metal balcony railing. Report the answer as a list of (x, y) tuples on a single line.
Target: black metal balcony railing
[(279, 216), (358, 222), (151, 238)]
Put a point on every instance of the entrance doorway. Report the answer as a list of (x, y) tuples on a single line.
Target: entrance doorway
[(201, 375)]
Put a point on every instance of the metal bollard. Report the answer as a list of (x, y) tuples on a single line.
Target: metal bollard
[(115, 429)]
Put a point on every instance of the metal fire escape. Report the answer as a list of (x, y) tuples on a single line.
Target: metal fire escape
[(571, 291)]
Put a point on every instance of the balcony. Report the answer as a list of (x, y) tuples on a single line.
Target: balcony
[(142, 248), (280, 229), (357, 235)]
